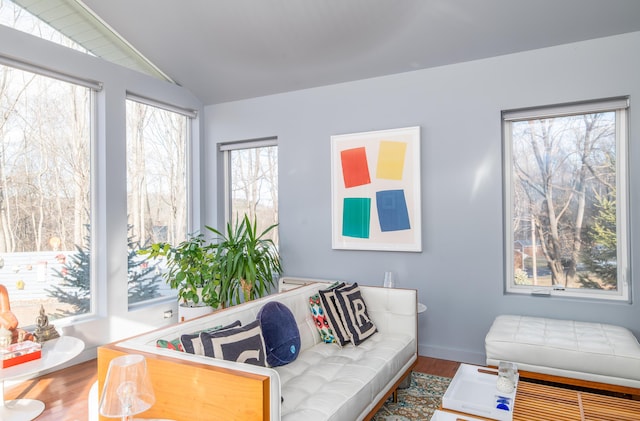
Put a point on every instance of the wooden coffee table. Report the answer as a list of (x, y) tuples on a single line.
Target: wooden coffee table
[(541, 402)]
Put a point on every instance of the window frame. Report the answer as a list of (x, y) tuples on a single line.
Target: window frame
[(93, 90), (620, 106), (191, 116), (227, 148)]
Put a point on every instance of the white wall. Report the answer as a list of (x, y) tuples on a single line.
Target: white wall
[(459, 274), (113, 319)]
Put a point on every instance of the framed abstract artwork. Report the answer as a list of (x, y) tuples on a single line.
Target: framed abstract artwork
[(375, 190)]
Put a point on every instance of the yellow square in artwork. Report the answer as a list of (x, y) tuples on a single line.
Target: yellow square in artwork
[(391, 158)]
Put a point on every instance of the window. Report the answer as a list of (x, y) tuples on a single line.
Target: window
[(566, 200), (45, 194), (16, 17), (252, 182), (73, 25), (157, 191)]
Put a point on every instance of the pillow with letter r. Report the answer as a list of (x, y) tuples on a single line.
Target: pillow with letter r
[(354, 310), (280, 333)]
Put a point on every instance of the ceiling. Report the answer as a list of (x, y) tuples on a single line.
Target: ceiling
[(225, 50)]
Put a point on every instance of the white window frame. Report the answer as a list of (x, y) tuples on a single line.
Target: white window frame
[(620, 106), (94, 89), (192, 116), (226, 148)]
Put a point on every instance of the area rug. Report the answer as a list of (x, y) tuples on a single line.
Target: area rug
[(416, 403)]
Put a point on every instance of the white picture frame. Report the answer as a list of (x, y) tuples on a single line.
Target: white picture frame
[(375, 193)]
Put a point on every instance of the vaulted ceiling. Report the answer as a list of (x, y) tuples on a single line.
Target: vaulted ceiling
[(225, 50)]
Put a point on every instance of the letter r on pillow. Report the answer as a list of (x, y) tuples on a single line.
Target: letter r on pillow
[(360, 312)]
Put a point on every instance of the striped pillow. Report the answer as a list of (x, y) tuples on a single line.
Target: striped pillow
[(191, 342), (241, 344), (333, 314), (354, 313)]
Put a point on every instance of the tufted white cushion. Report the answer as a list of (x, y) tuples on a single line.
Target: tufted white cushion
[(589, 351), (327, 382)]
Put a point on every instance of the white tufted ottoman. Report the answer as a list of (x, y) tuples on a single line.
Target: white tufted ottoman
[(591, 352)]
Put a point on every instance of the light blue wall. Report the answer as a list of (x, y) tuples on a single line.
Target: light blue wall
[(459, 274)]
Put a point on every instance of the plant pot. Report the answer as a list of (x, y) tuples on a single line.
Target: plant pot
[(186, 312)]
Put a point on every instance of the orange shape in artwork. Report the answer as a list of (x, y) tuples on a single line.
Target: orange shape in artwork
[(355, 169)]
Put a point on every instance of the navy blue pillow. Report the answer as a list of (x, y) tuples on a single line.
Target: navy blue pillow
[(280, 333), (192, 343)]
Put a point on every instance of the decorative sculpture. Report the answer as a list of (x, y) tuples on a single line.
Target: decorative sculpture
[(9, 321), (44, 331), (7, 318)]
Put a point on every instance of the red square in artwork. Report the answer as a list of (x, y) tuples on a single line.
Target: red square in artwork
[(355, 169)]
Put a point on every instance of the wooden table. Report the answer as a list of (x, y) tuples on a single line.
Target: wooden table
[(538, 402), (549, 403)]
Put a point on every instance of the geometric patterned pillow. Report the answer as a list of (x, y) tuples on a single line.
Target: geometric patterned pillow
[(242, 344), (320, 319), (172, 344), (332, 312), (354, 311), (191, 342)]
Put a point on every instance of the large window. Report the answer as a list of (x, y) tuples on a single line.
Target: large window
[(157, 193), (252, 182), (72, 24), (566, 200), (45, 194), (16, 17)]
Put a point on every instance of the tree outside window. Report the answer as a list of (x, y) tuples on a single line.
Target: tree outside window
[(253, 183), (45, 180), (157, 203), (565, 185)]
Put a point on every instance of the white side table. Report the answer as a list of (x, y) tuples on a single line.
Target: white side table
[(54, 352)]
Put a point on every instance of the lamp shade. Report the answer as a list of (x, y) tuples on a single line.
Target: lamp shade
[(127, 388)]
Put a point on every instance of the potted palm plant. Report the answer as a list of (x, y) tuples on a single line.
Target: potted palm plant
[(245, 261), (191, 270)]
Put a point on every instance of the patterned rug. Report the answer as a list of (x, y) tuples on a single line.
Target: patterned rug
[(416, 403)]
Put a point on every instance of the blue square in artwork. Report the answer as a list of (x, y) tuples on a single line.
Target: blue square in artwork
[(392, 210)]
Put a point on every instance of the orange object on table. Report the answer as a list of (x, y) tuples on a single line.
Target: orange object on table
[(7, 318), (20, 352)]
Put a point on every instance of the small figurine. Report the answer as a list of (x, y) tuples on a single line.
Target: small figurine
[(44, 331)]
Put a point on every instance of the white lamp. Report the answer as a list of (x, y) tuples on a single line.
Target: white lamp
[(127, 388)]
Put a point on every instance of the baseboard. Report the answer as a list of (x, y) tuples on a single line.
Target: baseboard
[(452, 354)]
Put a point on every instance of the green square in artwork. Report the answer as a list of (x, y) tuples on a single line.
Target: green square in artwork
[(356, 217)]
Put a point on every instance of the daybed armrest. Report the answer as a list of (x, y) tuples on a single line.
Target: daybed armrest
[(192, 390), (392, 310)]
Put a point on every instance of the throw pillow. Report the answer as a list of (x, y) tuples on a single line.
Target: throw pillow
[(354, 311), (191, 342), (170, 344), (242, 344), (320, 319), (332, 312), (280, 333)]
